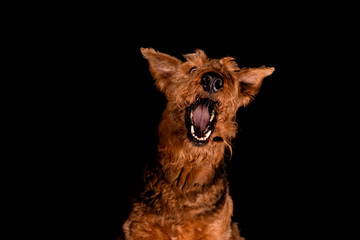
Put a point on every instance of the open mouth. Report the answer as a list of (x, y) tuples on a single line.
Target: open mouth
[(200, 119)]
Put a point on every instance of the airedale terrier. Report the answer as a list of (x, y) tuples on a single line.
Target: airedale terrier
[(186, 196)]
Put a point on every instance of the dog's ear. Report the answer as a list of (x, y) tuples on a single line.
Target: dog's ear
[(250, 82), (162, 66)]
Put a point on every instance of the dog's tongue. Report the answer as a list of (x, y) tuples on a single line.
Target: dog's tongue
[(201, 117)]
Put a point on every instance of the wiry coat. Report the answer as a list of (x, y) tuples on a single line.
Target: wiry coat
[(187, 194)]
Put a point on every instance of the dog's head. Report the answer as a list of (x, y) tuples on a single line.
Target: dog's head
[(203, 95)]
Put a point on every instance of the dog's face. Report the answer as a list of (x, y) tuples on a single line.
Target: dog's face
[(203, 94)]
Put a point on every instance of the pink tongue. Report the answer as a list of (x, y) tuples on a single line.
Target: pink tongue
[(201, 117)]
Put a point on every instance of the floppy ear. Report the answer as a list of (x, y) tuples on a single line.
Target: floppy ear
[(250, 82), (162, 66)]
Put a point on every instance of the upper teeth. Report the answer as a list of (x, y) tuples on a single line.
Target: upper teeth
[(212, 115)]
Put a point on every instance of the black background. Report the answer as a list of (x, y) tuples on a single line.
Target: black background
[(281, 178)]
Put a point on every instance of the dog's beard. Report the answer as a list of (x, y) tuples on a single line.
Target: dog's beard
[(200, 119)]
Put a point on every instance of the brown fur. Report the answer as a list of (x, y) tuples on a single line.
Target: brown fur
[(187, 193)]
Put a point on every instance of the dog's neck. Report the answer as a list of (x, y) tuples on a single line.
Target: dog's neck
[(172, 186), (189, 166)]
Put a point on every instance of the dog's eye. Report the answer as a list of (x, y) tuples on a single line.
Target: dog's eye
[(193, 69)]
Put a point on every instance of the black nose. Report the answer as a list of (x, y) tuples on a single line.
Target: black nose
[(212, 82)]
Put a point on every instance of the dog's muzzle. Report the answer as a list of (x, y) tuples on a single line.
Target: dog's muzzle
[(200, 119)]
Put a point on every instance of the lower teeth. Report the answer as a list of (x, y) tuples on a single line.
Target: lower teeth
[(207, 135)]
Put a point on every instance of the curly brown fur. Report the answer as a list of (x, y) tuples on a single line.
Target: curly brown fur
[(187, 193)]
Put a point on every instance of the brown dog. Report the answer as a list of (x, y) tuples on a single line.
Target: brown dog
[(187, 194)]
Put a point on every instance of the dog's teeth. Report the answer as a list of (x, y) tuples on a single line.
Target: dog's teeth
[(207, 135), (212, 116), (207, 128)]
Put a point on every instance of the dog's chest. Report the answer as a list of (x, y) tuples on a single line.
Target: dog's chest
[(210, 227)]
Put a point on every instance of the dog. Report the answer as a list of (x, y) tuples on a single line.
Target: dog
[(186, 195)]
